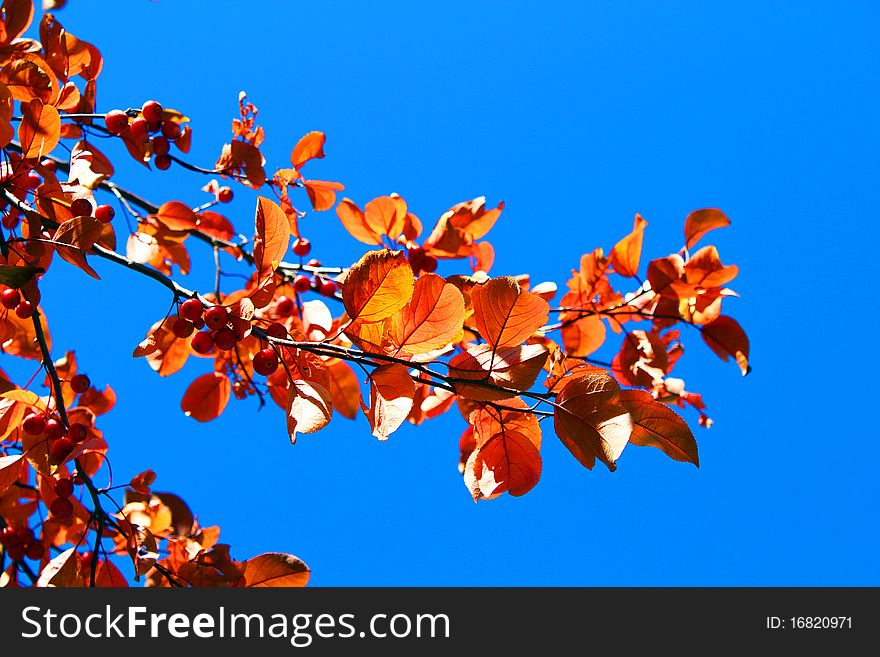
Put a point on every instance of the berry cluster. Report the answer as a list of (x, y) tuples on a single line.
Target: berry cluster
[(220, 331), (82, 207), (139, 129), (11, 299), (20, 543)]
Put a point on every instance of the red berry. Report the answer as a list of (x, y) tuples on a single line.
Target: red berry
[(183, 328), (54, 429), (191, 309), (216, 317), (81, 207), (202, 342), (49, 165), (415, 257), (24, 310), (225, 339), (60, 450), (224, 194), (265, 362), (10, 298), (302, 247), (429, 264), (163, 162), (276, 330), (116, 121), (80, 383), (105, 213), (78, 432), (302, 283), (63, 487), (35, 551), (160, 145), (328, 288), (61, 508), (34, 424), (8, 536), (199, 324), (284, 307), (170, 130), (33, 180), (17, 552), (154, 126), (25, 535), (152, 111), (139, 129), (313, 263)]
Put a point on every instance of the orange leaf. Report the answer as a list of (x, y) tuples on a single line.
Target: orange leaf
[(75, 237), (344, 388), (460, 226), (589, 420), (700, 222), (726, 338), (515, 368), (657, 425), (377, 286), (28, 76), (272, 235), (164, 352), (355, 222), (308, 148), (7, 109), (39, 130), (17, 17), (507, 462), (322, 193), (206, 397), (386, 215), (11, 468), (704, 269), (175, 215), (62, 572), (433, 318), (141, 483), (506, 314), (391, 399), (309, 408), (88, 166), (626, 253), (583, 336), (488, 421), (275, 569), (215, 224)]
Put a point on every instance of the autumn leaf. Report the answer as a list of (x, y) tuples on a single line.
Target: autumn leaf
[(460, 226), (89, 167), (310, 147), (507, 462), (39, 130), (206, 397), (17, 276), (175, 215), (7, 110), (74, 238), (377, 286), (270, 244), (11, 468), (309, 408), (505, 314), (344, 388), (727, 338), (391, 399), (700, 222), (62, 572), (654, 424), (29, 77), (626, 253), (589, 420), (515, 368), (432, 319), (384, 215), (488, 421), (275, 569), (581, 337), (355, 222), (322, 193)]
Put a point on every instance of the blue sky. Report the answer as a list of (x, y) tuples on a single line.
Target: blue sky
[(577, 115)]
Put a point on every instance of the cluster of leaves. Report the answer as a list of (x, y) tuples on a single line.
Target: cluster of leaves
[(404, 344)]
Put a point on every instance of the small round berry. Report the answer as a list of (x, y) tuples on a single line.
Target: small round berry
[(160, 145), (63, 487), (170, 130), (284, 307), (116, 122), (8, 536), (152, 111), (61, 508), (78, 432), (314, 262), (199, 323), (328, 288), (10, 298), (224, 194), (25, 535), (54, 429), (139, 129), (265, 362), (34, 424), (49, 165), (24, 310), (60, 450), (191, 309), (202, 342), (81, 207), (154, 126), (183, 328), (302, 284), (33, 180), (225, 339), (105, 213), (429, 264), (302, 247), (35, 551), (80, 383), (16, 552), (216, 317), (276, 330), (163, 162)]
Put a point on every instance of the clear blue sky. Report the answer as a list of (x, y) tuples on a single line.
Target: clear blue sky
[(577, 115)]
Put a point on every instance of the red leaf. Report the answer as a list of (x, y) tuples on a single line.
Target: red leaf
[(506, 314), (206, 397), (308, 148), (275, 569), (657, 425), (726, 338), (507, 462), (700, 222)]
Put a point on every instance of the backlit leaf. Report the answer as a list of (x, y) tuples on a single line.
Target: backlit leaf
[(727, 338), (377, 286), (311, 146), (275, 569), (206, 397), (391, 399), (626, 253), (309, 408), (515, 368), (39, 130), (505, 314), (507, 462), (654, 424), (700, 222), (432, 318)]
